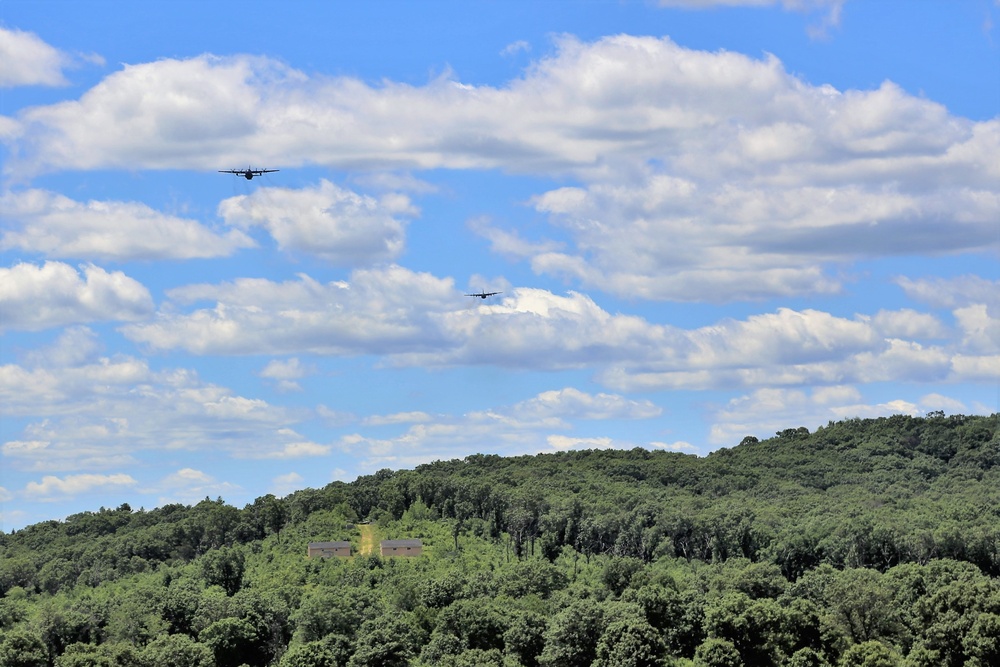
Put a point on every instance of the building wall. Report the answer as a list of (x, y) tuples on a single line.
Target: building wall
[(329, 553), (401, 551)]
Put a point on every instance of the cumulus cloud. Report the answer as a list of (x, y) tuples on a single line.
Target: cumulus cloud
[(679, 446), (282, 485), (689, 240), (104, 413), (29, 61), (285, 373), (398, 418), (338, 225), (700, 175), (54, 294), (56, 226), (291, 450), (380, 311), (190, 486), (831, 8), (563, 443), (952, 292), (764, 412), (515, 47), (908, 323), (417, 320), (570, 403), (536, 424), (52, 487)]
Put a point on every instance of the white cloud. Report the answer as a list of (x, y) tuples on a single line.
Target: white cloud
[(386, 181), (54, 294), (282, 485), (795, 5), (935, 401), (832, 9), (563, 443), (953, 292), (767, 411), (570, 403), (980, 328), (289, 369), (107, 413), (701, 175), (5, 495), (515, 47), (522, 428), (28, 61), (338, 225), (52, 487), (56, 226), (381, 311), (285, 373), (660, 237), (679, 446), (75, 346), (418, 320), (292, 450), (189, 486), (398, 418), (908, 323)]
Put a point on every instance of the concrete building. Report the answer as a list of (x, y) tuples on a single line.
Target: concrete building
[(329, 549), (401, 547)]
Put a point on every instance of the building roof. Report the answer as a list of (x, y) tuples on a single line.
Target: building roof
[(400, 543), (329, 545)]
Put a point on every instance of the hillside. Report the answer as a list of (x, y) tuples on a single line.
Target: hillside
[(865, 542)]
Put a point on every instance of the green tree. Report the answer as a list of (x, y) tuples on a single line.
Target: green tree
[(383, 642), (331, 651), (572, 635), (234, 642), (525, 637), (982, 643), (630, 643), (715, 652), (757, 628), (177, 651), (85, 655), (21, 648), (327, 610), (56, 574), (224, 567), (618, 572), (870, 654), (807, 657), (478, 623)]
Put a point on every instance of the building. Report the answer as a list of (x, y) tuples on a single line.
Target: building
[(401, 547), (329, 549)]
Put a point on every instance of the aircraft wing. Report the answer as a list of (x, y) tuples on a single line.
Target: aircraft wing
[(229, 171)]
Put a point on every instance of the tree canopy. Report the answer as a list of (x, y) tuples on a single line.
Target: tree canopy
[(866, 542)]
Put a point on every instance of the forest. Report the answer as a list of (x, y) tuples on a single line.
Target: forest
[(865, 543)]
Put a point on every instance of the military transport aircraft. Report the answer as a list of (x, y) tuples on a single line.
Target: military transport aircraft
[(248, 173), (484, 294)]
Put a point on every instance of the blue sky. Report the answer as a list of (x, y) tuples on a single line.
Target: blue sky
[(708, 219)]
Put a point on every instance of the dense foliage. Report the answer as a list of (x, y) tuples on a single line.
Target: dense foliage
[(867, 542)]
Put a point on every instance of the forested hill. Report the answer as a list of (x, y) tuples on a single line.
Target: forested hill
[(874, 539)]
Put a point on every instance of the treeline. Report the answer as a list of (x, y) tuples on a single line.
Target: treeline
[(867, 542)]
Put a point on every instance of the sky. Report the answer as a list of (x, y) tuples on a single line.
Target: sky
[(706, 219)]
